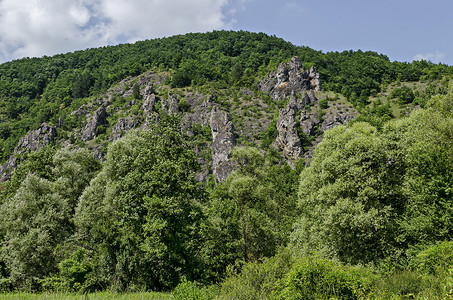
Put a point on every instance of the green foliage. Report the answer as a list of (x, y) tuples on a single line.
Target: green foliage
[(145, 206), (368, 195), (286, 276), (324, 103), (37, 211), (403, 94), (73, 274), (251, 213), (35, 220), (314, 278), (184, 106), (436, 259), (136, 92), (269, 136), (187, 290), (407, 284), (349, 186)]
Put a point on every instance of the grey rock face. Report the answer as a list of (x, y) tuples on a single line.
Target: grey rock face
[(32, 141), (36, 139), (290, 78), (337, 116), (122, 126), (171, 104), (308, 123), (222, 131), (98, 118), (148, 105), (287, 137)]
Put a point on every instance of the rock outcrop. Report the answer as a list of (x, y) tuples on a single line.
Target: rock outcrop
[(98, 118), (36, 139), (287, 138), (222, 131), (32, 141), (170, 104), (123, 126), (290, 78)]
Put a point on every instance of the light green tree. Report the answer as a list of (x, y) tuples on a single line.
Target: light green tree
[(369, 195), (350, 196), (37, 213), (35, 220)]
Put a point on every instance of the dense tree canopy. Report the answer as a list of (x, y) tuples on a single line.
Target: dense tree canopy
[(369, 195)]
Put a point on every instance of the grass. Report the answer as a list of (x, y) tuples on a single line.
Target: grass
[(93, 296)]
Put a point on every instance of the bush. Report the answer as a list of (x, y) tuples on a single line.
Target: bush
[(314, 278), (324, 103), (403, 94), (287, 277), (188, 290), (408, 284), (74, 274), (436, 259)]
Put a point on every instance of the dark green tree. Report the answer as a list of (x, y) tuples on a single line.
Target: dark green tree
[(146, 204)]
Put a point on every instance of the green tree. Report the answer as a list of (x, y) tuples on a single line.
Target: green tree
[(370, 195), (146, 203), (38, 208), (35, 221), (250, 213), (350, 196)]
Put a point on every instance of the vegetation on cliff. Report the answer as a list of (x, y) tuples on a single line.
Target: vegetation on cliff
[(212, 165)]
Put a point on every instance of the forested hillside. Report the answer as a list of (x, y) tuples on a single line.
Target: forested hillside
[(227, 164)]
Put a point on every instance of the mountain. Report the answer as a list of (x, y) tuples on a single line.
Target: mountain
[(90, 97), (140, 166)]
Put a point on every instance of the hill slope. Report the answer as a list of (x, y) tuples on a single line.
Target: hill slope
[(142, 166)]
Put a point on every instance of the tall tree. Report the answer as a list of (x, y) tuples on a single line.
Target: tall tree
[(146, 202)]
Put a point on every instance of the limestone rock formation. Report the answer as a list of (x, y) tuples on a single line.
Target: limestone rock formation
[(98, 118), (171, 104), (290, 78), (222, 131), (287, 137), (32, 141), (36, 139), (308, 123), (122, 126)]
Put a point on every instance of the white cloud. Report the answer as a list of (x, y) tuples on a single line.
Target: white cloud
[(435, 57), (46, 27)]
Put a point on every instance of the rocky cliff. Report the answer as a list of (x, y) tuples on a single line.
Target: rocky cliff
[(232, 116), (290, 78), (32, 141)]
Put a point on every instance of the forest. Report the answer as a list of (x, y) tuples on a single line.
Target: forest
[(369, 215)]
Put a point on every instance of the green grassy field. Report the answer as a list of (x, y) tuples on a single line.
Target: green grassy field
[(94, 296)]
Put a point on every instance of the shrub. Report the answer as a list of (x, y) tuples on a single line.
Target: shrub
[(437, 258), (74, 273), (314, 278), (408, 284), (324, 103), (188, 290), (256, 279)]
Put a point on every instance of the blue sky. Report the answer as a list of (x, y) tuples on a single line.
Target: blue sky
[(403, 30)]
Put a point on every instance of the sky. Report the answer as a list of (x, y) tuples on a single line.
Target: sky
[(404, 30)]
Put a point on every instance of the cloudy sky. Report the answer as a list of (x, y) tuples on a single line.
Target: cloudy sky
[(405, 30)]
